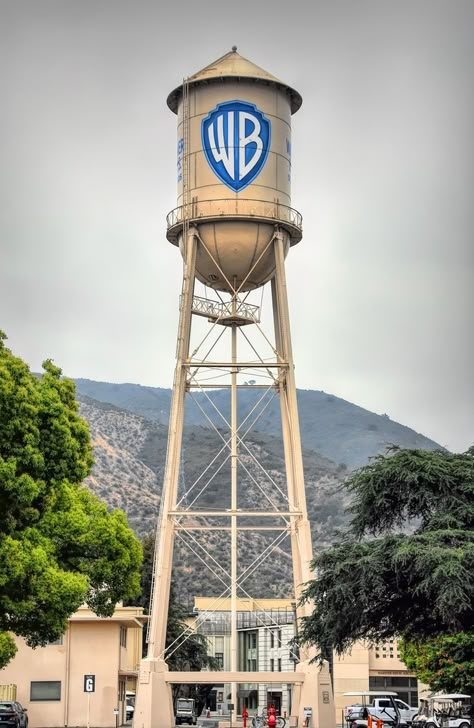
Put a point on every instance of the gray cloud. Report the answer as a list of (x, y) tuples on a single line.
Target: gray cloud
[(381, 285)]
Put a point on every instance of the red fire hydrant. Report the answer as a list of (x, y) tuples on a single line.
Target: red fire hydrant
[(245, 715), (271, 721)]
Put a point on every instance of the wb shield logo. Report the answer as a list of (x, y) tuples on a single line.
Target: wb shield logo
[(236, 141)]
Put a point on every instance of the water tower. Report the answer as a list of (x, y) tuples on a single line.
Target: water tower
[(234, 226)]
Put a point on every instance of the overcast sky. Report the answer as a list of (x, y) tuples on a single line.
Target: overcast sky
[(381, 287)]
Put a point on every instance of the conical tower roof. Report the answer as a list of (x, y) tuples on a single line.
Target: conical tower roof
[(233, 65)]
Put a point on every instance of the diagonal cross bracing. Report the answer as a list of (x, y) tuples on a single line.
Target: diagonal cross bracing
[(249, 570), (265, 499)]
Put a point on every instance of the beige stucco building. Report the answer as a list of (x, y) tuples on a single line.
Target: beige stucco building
[(50, 680), (377, 668)]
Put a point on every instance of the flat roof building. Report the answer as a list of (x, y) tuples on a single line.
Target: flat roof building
[(51, 681)]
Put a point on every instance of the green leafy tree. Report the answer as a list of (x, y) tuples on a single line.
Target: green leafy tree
[(444, 663), (404, 568), (188, 651), (59, 545)]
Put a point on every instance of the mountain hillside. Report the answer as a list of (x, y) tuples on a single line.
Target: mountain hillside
[(128, 473), (333, 427), (129, 429)]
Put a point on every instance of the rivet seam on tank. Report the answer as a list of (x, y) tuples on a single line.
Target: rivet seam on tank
[(236, 140)]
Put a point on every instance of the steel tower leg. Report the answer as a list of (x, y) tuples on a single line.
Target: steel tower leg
[(315, 692), (234, 505), (154, 704), (300, 532)]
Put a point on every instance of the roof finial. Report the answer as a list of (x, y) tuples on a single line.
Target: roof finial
[(234, 48)]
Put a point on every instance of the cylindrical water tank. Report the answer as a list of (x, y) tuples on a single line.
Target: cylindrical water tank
[(234, 170)]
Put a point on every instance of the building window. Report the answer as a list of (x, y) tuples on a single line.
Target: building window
[(279, 664), (253, 640), (405, 686), (219, 658), (123, 636), (121, 690), (279, 638), (219, 644), (272, 638), (45, 690), (272, 665)]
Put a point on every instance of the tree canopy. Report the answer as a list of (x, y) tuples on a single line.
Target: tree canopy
[(60, 547), (444, 663), (405, 565)]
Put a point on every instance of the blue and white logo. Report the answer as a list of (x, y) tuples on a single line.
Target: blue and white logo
[(236, 141)]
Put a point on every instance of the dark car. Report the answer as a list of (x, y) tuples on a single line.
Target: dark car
[(12, 714)]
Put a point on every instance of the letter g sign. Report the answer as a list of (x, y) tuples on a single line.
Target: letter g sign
[(89, 683)]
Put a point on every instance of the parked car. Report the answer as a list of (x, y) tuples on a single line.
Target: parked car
[(13, 714), (386, 706), (129, 705), (381, 706)]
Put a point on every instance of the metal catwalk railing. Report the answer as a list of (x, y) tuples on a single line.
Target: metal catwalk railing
[(201, 210), (222, 310)]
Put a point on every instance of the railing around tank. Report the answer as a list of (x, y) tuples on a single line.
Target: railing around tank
[(200, 210)]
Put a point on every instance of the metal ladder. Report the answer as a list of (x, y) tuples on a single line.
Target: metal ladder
[(186, 156), (153, 573)]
